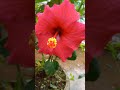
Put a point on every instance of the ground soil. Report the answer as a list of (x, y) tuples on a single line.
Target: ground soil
[(55, 82)]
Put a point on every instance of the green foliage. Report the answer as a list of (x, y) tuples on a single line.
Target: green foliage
[(80, 7), (71, 77), (39, 5), (113, 48), (74, 56), (38, 66), (38, 1), (39, 8), (82, 46), (51, 67)]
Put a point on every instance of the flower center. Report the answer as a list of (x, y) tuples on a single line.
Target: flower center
[(52, 42)]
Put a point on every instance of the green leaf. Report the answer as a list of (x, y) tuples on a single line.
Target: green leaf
[(39, 8), (110, 47), (73, 1), (38, 1), (38, 66), (82, 46), (50, 67), (71, 77), (74, 56)]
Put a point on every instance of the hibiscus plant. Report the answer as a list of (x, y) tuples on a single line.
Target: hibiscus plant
[(59, 31)]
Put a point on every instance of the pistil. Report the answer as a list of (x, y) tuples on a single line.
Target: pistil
[(52, 42)]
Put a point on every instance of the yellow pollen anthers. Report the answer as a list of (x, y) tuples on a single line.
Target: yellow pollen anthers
[(52, 42)]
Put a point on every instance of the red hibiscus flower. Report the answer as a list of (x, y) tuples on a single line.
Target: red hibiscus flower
[(18, 18), (58, 30)]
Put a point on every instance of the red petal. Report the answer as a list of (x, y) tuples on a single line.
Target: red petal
[(65, 13), (46, 21), (42, 43), (63, 50), (75, 35)]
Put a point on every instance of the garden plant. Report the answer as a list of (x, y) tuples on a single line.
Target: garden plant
[(59, 30)]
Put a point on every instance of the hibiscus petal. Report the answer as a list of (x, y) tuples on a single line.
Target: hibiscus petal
[(75, 35), (65, 13), (42, 43), (46, 21), (63, 51), (38, 15)]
